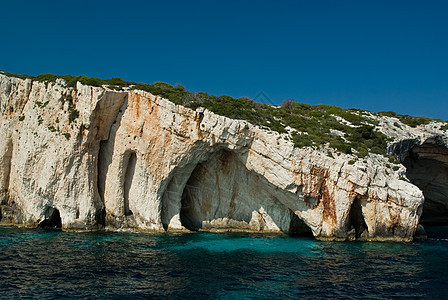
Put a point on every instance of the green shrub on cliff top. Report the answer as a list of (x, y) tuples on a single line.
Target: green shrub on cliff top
[(310, 125), (408, 120)]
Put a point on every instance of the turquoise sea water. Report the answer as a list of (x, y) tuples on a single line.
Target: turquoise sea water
[(53, 264)]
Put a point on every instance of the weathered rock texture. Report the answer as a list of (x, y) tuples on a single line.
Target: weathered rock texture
[(426, 164), (134, 160)]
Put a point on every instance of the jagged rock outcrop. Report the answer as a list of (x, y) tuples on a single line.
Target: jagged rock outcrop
[(129, 159)]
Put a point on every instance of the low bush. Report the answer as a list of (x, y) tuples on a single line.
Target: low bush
[(74, 114)]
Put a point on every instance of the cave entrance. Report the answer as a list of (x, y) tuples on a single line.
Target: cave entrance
[(222, 194), (427, 168), (356, 219), (298, 227), (52, 219), (128, 180)]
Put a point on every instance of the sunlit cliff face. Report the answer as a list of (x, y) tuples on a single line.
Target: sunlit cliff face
[(134, 160)]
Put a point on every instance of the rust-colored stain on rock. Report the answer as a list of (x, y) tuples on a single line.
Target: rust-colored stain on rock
[(327, 201)]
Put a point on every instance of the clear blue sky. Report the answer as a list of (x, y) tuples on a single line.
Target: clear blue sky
[(375, 55)]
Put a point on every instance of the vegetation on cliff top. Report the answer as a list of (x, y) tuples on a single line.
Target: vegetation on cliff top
[(350, 131)]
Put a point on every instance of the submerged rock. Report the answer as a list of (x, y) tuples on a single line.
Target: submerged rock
[(130, 159)]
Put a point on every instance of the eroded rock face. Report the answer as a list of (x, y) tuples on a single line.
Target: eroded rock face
[(427, 168), (222, 193), (135, 160)]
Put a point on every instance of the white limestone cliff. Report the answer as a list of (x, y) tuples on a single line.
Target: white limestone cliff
[(132, 160)]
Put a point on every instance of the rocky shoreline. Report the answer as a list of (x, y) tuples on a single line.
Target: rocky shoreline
[(89, 158)]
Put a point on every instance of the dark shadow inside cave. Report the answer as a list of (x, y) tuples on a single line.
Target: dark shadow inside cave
[(356, 219), (298, 228), (187, 217), (221, 193), (128, 178), (52, 219), (427, 168), (103, 163)]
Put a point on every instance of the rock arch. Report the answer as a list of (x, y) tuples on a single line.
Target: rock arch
[(125, 191), (220, 193)]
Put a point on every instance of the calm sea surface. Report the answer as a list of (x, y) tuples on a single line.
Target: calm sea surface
[(53, 264)]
